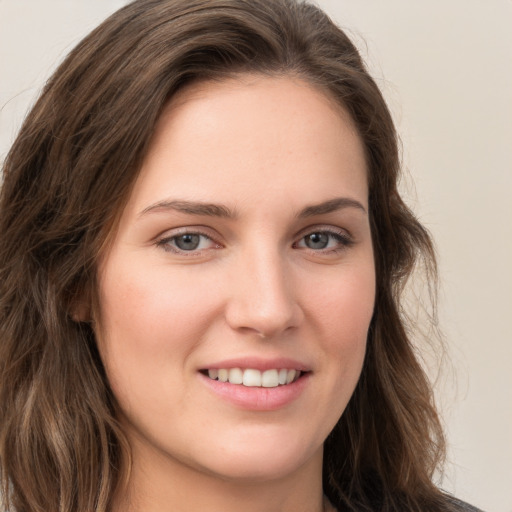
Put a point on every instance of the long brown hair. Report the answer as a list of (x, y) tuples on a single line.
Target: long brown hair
[(66, 180)]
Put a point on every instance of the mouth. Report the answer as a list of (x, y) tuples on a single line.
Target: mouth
[(250, 377)]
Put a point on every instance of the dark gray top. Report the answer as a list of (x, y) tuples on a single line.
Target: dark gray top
[(465, 507)]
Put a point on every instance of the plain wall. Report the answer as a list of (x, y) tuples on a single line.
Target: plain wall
[(445, 69)]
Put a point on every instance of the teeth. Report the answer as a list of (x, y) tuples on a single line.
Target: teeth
[(270, 379), (254, 378), (236, 376)]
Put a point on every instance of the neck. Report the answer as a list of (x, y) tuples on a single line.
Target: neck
[(167, 485)]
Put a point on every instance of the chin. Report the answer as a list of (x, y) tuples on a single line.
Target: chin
[(259, 461), (253, 470)]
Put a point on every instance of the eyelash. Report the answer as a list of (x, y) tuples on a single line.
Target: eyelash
[(165, 243), (343, 239)]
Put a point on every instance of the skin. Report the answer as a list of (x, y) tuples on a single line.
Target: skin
[(265, 149)]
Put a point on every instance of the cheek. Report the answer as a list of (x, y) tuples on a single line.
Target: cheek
[(343, 312), (149, 324), (344, 306), (152, 306), (340, 313)]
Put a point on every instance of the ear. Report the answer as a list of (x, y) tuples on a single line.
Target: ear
[(80, 308), (81, 313)]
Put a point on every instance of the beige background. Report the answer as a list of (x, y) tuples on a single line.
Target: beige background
[(446, 70)]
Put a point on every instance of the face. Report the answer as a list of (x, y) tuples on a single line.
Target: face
[(237, 293)]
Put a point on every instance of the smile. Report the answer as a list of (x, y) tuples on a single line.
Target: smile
[(250, 377)]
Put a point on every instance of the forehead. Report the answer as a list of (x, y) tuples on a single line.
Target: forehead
[(250, 100), (246, 134)]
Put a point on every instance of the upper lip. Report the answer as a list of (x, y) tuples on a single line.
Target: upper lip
[(258, 363)]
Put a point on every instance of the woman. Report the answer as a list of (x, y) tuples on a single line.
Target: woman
[(203, 253)]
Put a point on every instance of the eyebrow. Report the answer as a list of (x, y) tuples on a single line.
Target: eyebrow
[(219, 210), (333, 205), (191, 208)]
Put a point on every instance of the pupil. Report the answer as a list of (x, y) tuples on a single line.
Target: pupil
[(317, 240), (188, 242)]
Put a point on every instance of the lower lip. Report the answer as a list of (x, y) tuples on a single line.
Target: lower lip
[(258, 398)]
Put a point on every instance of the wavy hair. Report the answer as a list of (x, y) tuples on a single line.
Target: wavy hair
[(66, 180)]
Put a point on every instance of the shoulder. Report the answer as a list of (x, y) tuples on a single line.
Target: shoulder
[(462, 506)]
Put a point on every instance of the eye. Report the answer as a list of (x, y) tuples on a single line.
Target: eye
[(187, 242), (324, 240)]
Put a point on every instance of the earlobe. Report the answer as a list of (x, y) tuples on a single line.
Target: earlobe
[(80, 308), (81, 313)]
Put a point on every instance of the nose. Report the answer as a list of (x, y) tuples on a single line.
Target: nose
[(262, 299)]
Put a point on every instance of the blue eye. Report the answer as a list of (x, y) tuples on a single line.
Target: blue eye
[(187, 242), (322, 240), (317, 240)]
